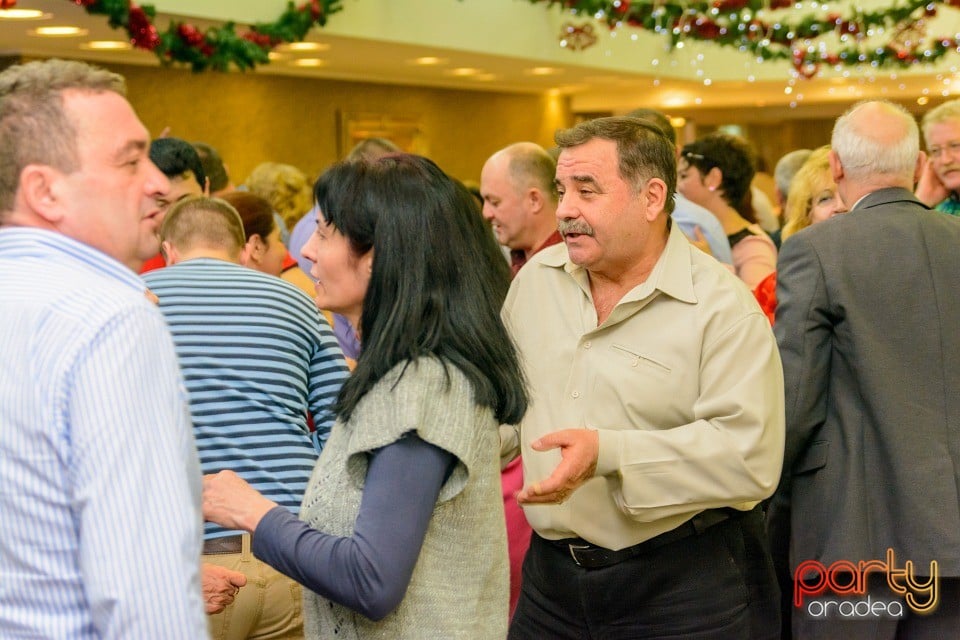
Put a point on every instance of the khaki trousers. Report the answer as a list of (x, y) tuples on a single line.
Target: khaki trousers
[(269, 606)]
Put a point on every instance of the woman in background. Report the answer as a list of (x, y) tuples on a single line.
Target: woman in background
[(812, 198), (813, 195), (715, 172), (403, 532)]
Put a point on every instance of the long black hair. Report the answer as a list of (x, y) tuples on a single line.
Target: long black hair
[(435, 287)]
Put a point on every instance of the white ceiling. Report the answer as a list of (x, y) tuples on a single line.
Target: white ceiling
[(376, 40)]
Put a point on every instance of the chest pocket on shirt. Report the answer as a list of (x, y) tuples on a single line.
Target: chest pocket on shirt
[(635, 359), (629, 390)]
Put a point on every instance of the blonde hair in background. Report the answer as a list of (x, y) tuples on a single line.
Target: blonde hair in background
[(804, 186), (285, 187)]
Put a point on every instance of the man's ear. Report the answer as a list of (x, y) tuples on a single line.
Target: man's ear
[(169, 252), (38, 190), (836, 167), (921, 163), (655, 198), (535, 199), (206, 187)]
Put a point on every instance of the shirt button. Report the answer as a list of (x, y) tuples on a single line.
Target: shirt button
[(575, 394), (634, 363), (587, 345)]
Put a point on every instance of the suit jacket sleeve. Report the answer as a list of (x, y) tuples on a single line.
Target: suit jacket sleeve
[(804, 329)]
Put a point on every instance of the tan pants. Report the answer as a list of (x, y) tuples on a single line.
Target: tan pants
[(269, 606)]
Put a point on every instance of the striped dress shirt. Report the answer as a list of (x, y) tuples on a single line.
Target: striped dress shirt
[(99, 481), (256, 356)]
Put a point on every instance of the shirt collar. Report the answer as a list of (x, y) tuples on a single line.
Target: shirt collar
[(32, 241), (671, 274)]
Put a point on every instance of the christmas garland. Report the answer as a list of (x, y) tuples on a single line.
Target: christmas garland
[(755, 26), (215, 47)]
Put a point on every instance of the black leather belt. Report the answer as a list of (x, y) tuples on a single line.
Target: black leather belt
[(590, 556), (221, 546)]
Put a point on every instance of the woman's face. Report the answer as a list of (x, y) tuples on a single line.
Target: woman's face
[(825, 202), (341, 276), (273, 254), (690, 183)]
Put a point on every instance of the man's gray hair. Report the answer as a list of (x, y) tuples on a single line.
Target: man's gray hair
[(787, 167), (949, 110), (865, 151), (33, 126), (531, 165)]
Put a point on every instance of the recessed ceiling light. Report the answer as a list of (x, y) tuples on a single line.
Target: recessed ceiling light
[(107, 45), (485, 77), (58, 32), (428, 60), (304, 46), (309, 62), (23, 14), (543, 71), (273, 55), (464, 71)]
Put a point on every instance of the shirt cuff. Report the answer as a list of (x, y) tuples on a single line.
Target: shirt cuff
[(608, 459)]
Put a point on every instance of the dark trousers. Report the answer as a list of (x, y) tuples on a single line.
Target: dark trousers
[(717, 585)]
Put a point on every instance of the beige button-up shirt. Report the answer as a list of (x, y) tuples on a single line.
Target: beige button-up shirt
[(682, 382)]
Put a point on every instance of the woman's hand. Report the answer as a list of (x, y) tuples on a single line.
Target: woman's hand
[(232, 503)]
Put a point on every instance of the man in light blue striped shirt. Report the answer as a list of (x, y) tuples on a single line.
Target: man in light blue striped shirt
[(257, 357), (99, 481)]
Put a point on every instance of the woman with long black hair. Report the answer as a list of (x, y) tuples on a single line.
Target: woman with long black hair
[(402, 533)]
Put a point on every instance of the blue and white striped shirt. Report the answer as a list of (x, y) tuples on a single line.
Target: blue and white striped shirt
[(99, 481), (256, 356)]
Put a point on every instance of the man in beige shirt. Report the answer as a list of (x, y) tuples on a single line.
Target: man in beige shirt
[(656, 423)]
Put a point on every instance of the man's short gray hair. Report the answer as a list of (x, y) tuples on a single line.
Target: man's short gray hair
[(949, 110), (33, 126), (865, 151), (787, 167)]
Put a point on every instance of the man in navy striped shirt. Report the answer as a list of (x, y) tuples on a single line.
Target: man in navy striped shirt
[(99, 481), (257, 356)]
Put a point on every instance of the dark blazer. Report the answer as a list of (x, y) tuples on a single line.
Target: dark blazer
[(868, 324)]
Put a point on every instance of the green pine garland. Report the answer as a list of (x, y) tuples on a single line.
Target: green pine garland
[(744, 25), (216, 48)]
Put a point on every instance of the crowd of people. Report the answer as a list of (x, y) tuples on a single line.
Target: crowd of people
[(615, 392)]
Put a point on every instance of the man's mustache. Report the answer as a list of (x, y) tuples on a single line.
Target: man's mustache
[(574, 226)]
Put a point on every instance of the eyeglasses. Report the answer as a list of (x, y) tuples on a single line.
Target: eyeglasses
[(953, 148), (692, 155)]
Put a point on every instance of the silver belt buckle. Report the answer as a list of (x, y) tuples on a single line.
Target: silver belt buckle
[(573, 552)]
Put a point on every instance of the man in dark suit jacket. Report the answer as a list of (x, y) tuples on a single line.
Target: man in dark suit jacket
[(868, 325)]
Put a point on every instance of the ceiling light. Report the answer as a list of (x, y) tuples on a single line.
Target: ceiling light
[(464, 71), (309, 62), (543, 71), (485, 77), (428, 61), (304, 46), (58, 32), (23, 14), (107, 45)]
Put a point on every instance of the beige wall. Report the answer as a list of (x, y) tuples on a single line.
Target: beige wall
[(256, 117)]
